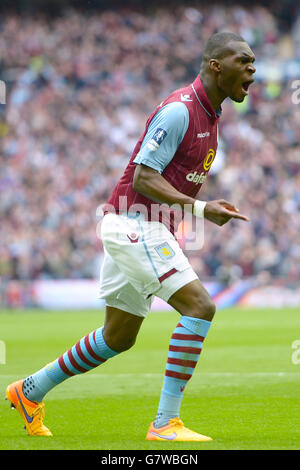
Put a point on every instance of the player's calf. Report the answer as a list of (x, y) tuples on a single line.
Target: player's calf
[(121, 329)]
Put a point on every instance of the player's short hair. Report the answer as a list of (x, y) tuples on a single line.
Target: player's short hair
[(217, 45)]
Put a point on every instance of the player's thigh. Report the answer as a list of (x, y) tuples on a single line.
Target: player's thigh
[(120, 328), (193, 300), (118, 292)]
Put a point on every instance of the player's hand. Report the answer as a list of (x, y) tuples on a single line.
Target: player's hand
[(220, 211)]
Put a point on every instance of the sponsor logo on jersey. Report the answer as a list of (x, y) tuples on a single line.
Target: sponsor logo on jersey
[(196, 178), (201, 135), (158, 136)]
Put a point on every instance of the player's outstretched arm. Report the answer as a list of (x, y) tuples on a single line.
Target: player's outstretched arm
[(153, 185)]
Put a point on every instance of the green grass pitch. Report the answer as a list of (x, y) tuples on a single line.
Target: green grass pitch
[(244, 392)]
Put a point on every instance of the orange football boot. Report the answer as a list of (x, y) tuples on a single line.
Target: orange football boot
[(174, 431), (32, 412)]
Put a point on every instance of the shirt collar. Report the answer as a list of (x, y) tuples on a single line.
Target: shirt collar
[(203, 99)]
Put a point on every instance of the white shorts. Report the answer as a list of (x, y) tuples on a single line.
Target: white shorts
[(141, 260)]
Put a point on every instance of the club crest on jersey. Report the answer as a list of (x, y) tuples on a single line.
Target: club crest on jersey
[(164, 251), (157, 139)]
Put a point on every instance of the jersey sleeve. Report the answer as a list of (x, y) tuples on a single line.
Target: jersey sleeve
[(165, 133)]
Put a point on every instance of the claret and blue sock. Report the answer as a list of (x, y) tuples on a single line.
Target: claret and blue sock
[(90, 352), (184, 351)]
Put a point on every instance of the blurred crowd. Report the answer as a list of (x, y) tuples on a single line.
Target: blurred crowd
[(79, 90)]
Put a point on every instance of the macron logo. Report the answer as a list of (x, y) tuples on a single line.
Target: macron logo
[(201, 135)]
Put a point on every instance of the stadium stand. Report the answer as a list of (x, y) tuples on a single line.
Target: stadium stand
[(79, 89)]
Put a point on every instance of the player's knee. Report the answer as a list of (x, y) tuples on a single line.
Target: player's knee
[(203, 307), (126, 344), (209, 310), (120, 344)]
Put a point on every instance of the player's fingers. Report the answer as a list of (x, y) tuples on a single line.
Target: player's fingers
[(228, 205), (234, 215)]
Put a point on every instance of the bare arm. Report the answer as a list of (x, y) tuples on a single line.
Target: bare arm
[(151, 184)]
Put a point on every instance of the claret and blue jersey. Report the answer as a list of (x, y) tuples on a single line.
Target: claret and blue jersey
[(180, 142)]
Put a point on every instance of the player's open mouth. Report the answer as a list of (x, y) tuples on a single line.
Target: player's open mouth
[(245, 86)]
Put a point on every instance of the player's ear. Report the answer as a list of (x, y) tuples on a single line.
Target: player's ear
[(215, 65)]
